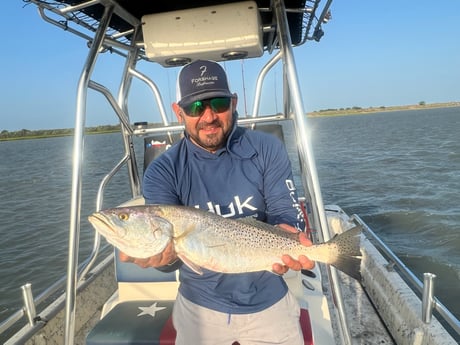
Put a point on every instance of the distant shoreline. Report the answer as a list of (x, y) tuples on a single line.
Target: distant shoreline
[(41, 134), (54, 133), (371, 110)]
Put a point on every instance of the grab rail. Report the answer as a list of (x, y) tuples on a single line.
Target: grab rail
[(89, 262), (75, 207), (51, 291), (111, 42), (310, 178), (410, 276)]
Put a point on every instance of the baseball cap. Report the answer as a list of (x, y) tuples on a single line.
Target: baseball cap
[(201, 79)]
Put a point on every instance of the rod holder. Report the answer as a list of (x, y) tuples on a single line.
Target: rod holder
[(428, 297), (29, 305)]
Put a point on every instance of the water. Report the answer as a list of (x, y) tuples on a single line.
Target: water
[(35, 184), (399, 171)]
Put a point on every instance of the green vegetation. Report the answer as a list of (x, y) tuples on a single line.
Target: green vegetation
[(358, 110), (47, 133)]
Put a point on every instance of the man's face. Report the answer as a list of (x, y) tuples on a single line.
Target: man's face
[(210, 128)]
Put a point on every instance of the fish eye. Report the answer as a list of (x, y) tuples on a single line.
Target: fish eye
[(123, 216)]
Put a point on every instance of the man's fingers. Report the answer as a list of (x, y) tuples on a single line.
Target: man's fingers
[(291, 263), (124, 257), (279, 269), (287, 227), (304, 240), (306, 263), (301, 263), (161, 259)]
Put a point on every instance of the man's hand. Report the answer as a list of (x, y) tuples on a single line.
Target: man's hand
[(167, 256), (302, 261)]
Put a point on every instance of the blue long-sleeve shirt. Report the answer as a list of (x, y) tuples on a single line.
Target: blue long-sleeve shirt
[(251, 176)]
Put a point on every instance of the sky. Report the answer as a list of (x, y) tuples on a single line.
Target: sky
[(373, 54)]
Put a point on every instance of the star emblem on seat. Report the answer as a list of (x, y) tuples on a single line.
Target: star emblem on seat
[(150, 310)]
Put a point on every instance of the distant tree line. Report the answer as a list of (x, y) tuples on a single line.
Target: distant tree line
[(45, 133), (355, 108), (349, 109)]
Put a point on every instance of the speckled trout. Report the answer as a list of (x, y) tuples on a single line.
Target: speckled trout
[(204, 239)]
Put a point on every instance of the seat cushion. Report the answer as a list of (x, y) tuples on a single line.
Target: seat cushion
[(135, 323)]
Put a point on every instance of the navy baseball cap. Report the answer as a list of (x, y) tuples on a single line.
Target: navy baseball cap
[(201, 79)]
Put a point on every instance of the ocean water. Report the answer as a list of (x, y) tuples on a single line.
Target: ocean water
[(400, 171)]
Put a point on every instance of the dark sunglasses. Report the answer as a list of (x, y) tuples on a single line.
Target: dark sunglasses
[(217, 105)]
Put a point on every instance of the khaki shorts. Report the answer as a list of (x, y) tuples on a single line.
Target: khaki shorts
[(278, 324)]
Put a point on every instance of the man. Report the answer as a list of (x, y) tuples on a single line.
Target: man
[(234, 172)]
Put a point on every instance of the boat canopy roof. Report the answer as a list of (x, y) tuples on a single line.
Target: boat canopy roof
[(304, 17)]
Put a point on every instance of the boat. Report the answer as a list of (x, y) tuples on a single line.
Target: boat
[(107, 301)]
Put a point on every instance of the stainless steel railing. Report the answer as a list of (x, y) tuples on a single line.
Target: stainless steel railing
[(426, 290)]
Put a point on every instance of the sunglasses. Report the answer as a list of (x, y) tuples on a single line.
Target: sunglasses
[(217, 105)]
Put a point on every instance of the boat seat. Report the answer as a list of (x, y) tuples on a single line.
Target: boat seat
[(155, 145), (142, 313), (135, 323), (136, 283), (144, 322), (271, 128)]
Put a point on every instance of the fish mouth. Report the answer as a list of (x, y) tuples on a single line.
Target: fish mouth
[(99, 222)]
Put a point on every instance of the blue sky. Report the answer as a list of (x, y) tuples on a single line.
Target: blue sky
[(373, 53)]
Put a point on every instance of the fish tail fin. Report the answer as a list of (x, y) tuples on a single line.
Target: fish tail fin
[(348, 246)]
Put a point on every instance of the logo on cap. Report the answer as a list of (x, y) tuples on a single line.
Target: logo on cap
[(201, 79)]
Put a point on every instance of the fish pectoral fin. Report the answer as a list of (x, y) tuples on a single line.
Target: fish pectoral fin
[(182, 234), (191, 265)]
